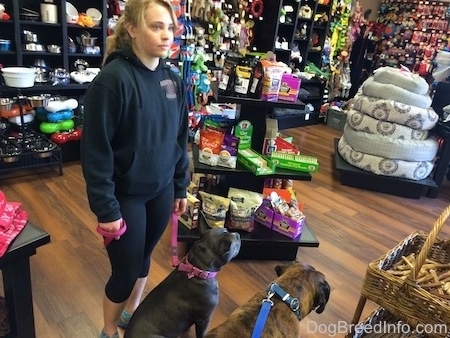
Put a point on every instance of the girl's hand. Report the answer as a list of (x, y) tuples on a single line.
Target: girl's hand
[(111, 226), (179, 206)]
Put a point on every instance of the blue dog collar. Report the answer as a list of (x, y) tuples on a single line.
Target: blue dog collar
[(293, 303)]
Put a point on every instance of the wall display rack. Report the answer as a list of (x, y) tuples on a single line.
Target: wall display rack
[(303, 32), (411, 32), (30, 38)]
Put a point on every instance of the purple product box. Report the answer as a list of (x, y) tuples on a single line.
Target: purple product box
[(264, 214), (287, 226)]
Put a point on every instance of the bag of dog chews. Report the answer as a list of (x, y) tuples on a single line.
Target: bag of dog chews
[(243, 204), (214, 209)]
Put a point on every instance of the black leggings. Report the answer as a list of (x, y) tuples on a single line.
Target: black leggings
[(146, 221)]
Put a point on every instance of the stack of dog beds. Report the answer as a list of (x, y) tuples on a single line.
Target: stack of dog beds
[(387, 131)]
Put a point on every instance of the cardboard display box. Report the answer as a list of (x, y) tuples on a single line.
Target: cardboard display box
[(284, 225), (255, 162), (295, 162)]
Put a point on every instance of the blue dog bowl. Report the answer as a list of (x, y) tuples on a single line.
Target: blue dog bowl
[(5, 45)]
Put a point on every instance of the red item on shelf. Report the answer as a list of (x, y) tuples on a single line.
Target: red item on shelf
[(12, 220)]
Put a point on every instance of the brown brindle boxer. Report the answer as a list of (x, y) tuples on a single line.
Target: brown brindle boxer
[(297, 281)]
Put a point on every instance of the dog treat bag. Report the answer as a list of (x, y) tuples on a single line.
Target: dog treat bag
[(214, 209), (210, 146), (243, 204)]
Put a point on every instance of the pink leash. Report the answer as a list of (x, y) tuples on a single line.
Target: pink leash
[(110, 236), (175, 260)]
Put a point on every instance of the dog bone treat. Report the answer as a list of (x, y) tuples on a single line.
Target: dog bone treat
[(433, 276)]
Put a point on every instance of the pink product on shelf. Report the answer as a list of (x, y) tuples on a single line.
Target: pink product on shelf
[(290, 86)]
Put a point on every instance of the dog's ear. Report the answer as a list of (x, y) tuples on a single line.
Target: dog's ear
[(280, 269), (322, 296)]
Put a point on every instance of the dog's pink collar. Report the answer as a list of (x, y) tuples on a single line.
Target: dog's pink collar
[(193, 271)]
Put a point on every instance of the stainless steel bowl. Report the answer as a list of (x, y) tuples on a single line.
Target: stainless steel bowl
[(54, 49), (33, 47), (38, 100), (6, 104)]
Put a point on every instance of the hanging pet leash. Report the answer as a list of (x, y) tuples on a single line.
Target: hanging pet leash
[(174, 241), (263, 314), (110, 236), (274, 290)]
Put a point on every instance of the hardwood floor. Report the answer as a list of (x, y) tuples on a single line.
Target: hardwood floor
[(354, 227)]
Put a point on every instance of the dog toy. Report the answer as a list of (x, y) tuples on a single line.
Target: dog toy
[(54, 106), (53, 127), (66, 136), (85, 20), (60, 115), (3, 15)]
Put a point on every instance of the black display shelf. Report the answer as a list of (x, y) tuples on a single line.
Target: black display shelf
[(32, 160), (256, 111), (44, 87), (260, 244), (249, 102), (358, 178)]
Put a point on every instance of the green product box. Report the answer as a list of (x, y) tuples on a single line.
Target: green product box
[(244, 131), (295, 162), (255, 162)]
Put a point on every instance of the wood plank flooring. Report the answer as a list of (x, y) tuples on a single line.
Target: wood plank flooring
[(354, 227)]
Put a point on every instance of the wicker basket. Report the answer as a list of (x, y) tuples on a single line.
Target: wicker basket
[(404, 298), (382, 324)]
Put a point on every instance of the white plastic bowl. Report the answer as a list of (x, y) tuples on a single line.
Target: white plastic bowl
[(71, 13), (95, 15), (18, 77)]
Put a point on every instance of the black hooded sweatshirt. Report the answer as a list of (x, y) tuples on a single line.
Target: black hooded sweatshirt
[(135, 133)]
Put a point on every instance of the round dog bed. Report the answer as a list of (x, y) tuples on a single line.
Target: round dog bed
[(393, 111), (401, 78), (391, 92), (412, 170), (387, 147), (362, 122)]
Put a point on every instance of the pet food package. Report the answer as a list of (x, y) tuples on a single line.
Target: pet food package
[(242, 78), (190, 217), (228, 152), (193, 189), (214, 209), (257, 77), (289, 89), (227, 80), (243, 204), (270, 136), (210, 146), (273, 72)]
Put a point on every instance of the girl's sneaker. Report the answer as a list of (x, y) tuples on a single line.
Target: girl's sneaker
[(124, 320), (115, 335)]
